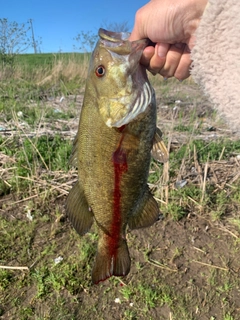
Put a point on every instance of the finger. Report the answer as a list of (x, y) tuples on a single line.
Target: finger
[(147, 55), (173, 59), (183, 70), (135, 34), (158, 60)]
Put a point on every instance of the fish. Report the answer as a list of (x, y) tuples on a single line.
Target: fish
[(112, 151)]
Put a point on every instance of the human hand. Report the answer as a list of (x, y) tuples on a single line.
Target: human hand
[(170, 24)]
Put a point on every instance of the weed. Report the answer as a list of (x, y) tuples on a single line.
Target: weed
[(26, 312), (34, 158), (6, 277), (49, 279), (130, 315), (228, 317), (126, 292)]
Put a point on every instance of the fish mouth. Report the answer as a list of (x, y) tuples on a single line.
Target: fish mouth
[(113, 36), (118, 42)]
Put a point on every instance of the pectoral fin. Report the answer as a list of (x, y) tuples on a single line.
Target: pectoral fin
[(78, 210), (146, 213), (159, 150)]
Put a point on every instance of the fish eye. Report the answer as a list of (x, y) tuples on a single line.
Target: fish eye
[(100, 71)]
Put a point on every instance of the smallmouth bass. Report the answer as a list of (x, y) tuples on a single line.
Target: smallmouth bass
[(112, 150)]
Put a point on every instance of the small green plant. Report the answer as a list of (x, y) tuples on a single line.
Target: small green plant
[(228, 317), (127, 292), (26, 312), (175, 211), (6, 277)]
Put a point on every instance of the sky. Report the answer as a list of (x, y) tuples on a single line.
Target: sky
[(57, 23)]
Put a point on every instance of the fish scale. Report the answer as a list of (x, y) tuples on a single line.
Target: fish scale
[(113, 160)]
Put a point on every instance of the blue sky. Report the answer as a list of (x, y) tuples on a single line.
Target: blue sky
[(58, 22)]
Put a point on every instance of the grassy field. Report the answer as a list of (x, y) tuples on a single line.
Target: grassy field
[(186, 266)]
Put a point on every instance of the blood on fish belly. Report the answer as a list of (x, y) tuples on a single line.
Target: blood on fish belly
[(119, 159)]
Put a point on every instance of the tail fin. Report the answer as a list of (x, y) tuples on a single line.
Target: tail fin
[(111, 265)]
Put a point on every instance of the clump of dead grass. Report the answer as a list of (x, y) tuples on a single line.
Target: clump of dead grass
[(67, 69), (202, 175), (62, 67)]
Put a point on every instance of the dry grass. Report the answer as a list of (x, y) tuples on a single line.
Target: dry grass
[(67, 67)]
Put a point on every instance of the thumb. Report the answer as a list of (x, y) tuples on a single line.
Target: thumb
[(135, 34)]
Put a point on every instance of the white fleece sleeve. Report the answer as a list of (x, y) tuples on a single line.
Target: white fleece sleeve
[(216, 58)]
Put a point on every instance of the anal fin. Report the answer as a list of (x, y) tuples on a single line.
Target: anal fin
[(78, 210), (146, 213)]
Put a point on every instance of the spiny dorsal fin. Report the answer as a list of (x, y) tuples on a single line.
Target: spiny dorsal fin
[(146, 213), (78, 210), (159, 150)]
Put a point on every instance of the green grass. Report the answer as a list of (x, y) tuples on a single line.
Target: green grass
[(214, 150), (33, 159), (42, 59)]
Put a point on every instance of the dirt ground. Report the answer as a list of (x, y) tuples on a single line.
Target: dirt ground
[(187, 269)]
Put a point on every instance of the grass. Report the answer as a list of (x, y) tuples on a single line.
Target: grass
[(33, 163), (184, 267), (44, 73), (42, 59)]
